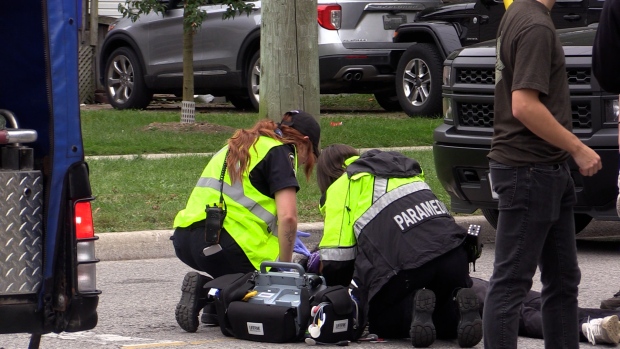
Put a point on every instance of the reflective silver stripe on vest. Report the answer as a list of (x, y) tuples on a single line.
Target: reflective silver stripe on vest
[(384, 201), (236, 193), (341, 254), (380, 188)]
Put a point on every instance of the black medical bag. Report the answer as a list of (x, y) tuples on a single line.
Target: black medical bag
[(266, 306)]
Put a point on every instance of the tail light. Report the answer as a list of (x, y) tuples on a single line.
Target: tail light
[(330, 16), (85, 249)]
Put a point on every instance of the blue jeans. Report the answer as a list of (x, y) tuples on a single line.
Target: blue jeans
[(535, 228)]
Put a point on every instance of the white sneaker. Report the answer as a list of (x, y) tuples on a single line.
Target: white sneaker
[(602, 330)]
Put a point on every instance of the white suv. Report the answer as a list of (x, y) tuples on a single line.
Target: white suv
[(355, 53)]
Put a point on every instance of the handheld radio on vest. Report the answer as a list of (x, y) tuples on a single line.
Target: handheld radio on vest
[(215, 219)]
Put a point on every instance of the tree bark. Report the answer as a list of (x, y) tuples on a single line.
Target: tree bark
[(289, 58)]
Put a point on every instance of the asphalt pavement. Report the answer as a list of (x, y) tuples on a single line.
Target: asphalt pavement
[(140, 292)]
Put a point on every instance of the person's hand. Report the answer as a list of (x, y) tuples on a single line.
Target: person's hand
[(314, 263), (299, 246), (588, 160), (303, 234)]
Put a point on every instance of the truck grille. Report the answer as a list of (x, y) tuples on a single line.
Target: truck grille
[(481, 114), (476, 76), (576, 76)]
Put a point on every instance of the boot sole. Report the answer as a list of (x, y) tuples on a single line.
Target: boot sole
[(469, 329), (186, 312), (422, 330), (612, 327)]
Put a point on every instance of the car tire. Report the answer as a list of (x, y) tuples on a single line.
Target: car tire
[(240, 102), (253, 80), (491, 216), (388, 101), (124, 81), (581, 220), (418, 80)]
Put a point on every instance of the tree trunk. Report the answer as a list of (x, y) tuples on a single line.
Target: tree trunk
[(289, 58), (188, 107)]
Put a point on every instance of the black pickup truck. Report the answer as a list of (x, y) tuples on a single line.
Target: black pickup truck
[(463, 141), (438, 31)]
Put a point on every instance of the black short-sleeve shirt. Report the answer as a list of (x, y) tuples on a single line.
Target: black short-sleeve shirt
[(529, 56), (276, 171)]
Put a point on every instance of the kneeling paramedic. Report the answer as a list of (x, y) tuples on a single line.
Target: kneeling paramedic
[(386, 230), (243, 209)]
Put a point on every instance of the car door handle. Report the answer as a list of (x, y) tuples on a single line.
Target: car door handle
[(484, 19), (572, 17)]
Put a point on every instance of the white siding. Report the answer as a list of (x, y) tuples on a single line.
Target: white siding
[(110, 8)]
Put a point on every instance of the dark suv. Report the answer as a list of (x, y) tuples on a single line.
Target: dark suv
[(438, 31), (354, 47), (463, 141)]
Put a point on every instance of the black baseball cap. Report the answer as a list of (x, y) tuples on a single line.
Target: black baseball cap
[(306, 124)]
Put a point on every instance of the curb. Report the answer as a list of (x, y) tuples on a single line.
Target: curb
[(153, 244), (175, 155)]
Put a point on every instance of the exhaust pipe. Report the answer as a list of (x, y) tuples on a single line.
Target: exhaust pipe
[(357, 76), (347, 76)]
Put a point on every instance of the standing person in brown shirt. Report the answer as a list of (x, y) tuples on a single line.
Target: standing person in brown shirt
[(531, 143)]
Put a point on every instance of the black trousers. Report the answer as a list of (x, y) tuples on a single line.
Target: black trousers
[(189, 243), (390, 310), (530, 317)]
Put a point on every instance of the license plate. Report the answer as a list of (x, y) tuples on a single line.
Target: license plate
[(393, 21), (493, 193)]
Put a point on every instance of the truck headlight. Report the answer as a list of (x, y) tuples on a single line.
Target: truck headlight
[(611, 110), (447, 70), (447, 110)]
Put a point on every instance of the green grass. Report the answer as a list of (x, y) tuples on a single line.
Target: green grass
[(351, 102), (114, 132), (142, 194)]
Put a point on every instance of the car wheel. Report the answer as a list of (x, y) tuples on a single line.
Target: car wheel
[(491, 216), (124, 81), (581, 220), (241, 102), (418, 80), (253, 80), (388, 101)]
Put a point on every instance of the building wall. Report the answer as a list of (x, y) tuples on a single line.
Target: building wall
[(109, 8)]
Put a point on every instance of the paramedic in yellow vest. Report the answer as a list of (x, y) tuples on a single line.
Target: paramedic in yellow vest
[(386, 231), (258, 197)]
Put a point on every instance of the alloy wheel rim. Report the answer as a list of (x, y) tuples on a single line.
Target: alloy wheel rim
[(255, 80), (120, 79), (417, 82)]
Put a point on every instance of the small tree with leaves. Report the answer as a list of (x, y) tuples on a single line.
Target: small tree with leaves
[(193, 15)]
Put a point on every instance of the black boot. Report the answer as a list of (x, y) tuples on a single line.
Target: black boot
[(193, 298), (422, 330), (469, 329), (209, 315)]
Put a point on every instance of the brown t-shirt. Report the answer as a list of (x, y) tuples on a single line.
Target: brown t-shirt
[(529, 56)]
